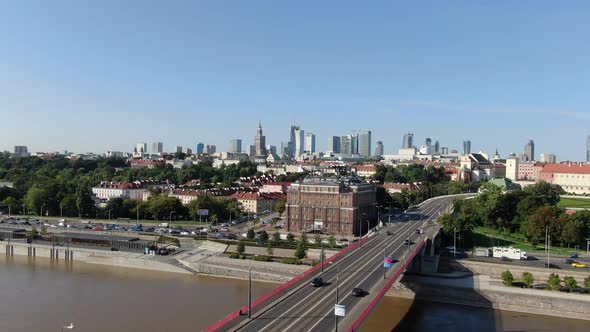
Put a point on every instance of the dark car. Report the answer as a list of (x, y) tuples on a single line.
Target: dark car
[(406, 242), (317, 282), (114, 249), (551, 266), (231, 236), (574, 256), (569, 261), (357, 292)]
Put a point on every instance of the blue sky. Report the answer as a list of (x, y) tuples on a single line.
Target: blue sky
[(103, 75)]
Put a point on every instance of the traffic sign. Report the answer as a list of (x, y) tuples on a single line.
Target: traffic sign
[(387, 265), (339, 310)]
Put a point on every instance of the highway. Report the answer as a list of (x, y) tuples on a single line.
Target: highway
[(312, 309)]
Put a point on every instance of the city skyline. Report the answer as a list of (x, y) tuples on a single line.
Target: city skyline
[(209, 72)]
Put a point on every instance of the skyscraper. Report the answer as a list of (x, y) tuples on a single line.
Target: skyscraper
[(466, 147), (378, 149), (299, 142), (157, 147), (428, 142), (334, 144), (210, 149), (252, 150), (346, 145), (178, 149), (200, 148), (260, 142), (235, 145), (588, 149), (141, 147), (293, 133), (436, 147), (529, 150), (549, 158), (21, 150), (310, 142), (408, 142), (364, 143)]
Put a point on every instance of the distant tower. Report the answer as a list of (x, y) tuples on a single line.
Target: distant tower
[(200, 148), (529, 150), (260, 142), (378, 149), (428, 142), (436, 147), (467, 147), (235, 145), (157, 147), (364, 143), (588, 149), (334, 144), (408, 142), (310, 142)]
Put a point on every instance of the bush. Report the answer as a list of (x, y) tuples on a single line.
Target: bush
[(570, 282), (234, 255), (291, 260), (554, 282), (587, 282), (300, 251), (528, 279), (507, 278), (262, 258), (241, 247), (290, 238)]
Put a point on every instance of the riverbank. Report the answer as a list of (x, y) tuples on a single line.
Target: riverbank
[(480, 285)]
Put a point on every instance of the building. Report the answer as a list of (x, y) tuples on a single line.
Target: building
[(512, 168), (393, 188), (235, 145), (292, 144), (178, 149), (444, 150), (342, 207), (200, 148), (346, 145), (467, 147), (378, 149), (476, 167), (365, 171), (271, 149), (141, 148), (588, 149), (275, 187), (157, 147), (259, 143), (107, 190), (299, 143), (310, 143), (257, 202), (334, 144), (189, 151), (548, 158), (436, 147), (529, 150), (364, 143), (139, 163), (21, 150), (184, 195), (210, 149), (408, 142), (572, 177), (252, 151)]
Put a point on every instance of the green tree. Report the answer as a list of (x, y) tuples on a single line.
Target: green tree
[(536, 223), (277, 237), (264, 237), (290, 238), (32, 234), (318, 239), (332, 241), (304, 239), (300, 250), (36, 198), (269, 248), (587, 282), (528, 279), (554, 282), (279, 207), (241, 247), (507, 278), (43, 230), (250, 234), (570, 283), (572, 232)]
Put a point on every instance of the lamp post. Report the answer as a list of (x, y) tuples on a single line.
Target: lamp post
[(41, 213), (454, 242), (171, 213), (337, 300), (61, 210), (110, 215), (250, 289)]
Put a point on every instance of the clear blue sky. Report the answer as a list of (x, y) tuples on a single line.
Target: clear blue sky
[(103, 75)]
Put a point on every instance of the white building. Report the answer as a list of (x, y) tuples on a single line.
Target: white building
[(512, 168)]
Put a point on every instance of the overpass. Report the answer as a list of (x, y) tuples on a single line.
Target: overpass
[(296, 306)]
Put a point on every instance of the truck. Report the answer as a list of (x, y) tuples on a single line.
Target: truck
[(511, 253), (482, 252)]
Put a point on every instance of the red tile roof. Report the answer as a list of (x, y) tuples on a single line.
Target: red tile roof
[(567, 168)]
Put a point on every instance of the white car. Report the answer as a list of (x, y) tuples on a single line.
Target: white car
[(184, 233)]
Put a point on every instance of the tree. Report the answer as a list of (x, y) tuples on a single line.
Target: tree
[(570, 283), (300, 250), (304, 239), (269, 248), (290, 238), (573, 229), (587, 282), (279, 207), (554, 282), (507, 278), (31, 235), (528, 279), (332, 241), (43, 230), (276, 237), (318, 239), (250, 234), (264, 237), (536, 223), (241, 247), (36, 198)]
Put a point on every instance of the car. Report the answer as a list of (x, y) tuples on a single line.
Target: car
[(406, 242), (551, 266), (231, 236), (114, 249), (579, 265), (357, 292), (317, 282), (224, 229), (570, 261), (574, 255), (221, 236), (184, 233), (388, 233), (96, 228)]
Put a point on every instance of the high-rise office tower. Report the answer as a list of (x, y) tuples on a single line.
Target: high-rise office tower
[(271, 149), (285, 150), (346, 145), (293, 133), (235, 145), (444, 150), (310, 142), (334, 144), (436, 147), (378, 149), (210, 149), (428, 142), (588, 149), (21, 150), (157, 147), (189, 151), (364, 143), (260, 142), (354, 144), (466, 147), (200, 148), (299, 142), (549, 158), (178, 149), (141, 147), (529, 150), (252, 150), (408, 142)]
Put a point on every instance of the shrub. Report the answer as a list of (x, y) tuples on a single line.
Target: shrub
[(570, 282), (250, 234), (507, 278), (262, 258), (587, 282), (290, 260), (290, 238), (241, 247), (332, 241), (528, 279), (234, 255), (300, 251), (554, 282)]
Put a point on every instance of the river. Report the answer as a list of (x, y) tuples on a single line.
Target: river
[(41, 295)]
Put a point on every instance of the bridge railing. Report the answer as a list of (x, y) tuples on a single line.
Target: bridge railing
[(236, 314), (384, 290)]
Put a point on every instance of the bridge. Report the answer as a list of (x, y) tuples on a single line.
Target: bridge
[(296, 306)]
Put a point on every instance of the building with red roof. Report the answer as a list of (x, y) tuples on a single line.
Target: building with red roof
[(572, 177)]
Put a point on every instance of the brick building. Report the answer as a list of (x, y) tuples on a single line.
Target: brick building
[(335, 207)]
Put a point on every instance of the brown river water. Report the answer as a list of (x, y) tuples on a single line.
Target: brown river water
[(41, 295)]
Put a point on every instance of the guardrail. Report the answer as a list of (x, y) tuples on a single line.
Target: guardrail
[(218, 325), (384, 290)]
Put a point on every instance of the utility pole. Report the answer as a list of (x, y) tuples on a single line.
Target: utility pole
[(250, 289), (454, 242)]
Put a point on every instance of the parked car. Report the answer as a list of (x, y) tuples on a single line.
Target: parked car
[(551, 266), (317, 282), (357, 292), (579, 265), (388, 233), (231, 236), (224, 229)]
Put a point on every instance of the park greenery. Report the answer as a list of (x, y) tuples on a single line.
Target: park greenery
[(524, 213)]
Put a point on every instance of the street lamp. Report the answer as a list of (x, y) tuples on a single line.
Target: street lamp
[(171, 213), (41, 213), (337, 300), (110, 214)]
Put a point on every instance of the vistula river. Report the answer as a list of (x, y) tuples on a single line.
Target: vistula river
[(41, 295)]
